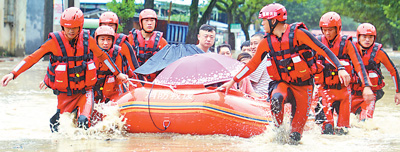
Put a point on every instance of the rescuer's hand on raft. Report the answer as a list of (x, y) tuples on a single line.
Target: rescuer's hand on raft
[(226, 86), (344, 77), (123, 77), (397, 98), (42, 85), (7, 78), (368, 95)]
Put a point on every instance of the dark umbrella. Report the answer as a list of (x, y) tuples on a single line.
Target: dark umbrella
[(206, 68), (166, 56)]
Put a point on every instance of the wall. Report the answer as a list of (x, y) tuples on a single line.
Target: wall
[(12, 27), (34, 25)]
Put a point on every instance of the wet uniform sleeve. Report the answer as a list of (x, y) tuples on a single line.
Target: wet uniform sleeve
[(384, 58), (254, 62), (32, 59), (305, 37), (358, 63), (103, 57), (130, 55)]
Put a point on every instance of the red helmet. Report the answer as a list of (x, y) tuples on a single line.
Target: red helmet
[(274, 11), (104, 30), (366, 29), (147, 13), (72, 17), (331, 19), (109, 17)]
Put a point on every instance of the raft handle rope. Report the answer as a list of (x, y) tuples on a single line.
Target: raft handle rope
[(148, 107), (166, 123), (172, 88)]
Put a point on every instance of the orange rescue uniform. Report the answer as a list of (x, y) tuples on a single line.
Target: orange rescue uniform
[(80, 101), (296, 91), (372, 59), (333, 94), (145, 49)]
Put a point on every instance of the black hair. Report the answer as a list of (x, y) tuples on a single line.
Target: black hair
[(260, 35), (206, 27), (223, 45), (243, 55), (245, 43)]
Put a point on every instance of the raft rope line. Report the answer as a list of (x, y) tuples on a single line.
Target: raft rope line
[(148, 107), (172, 89)]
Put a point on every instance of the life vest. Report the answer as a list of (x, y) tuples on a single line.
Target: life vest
[(287, 61), (73, 71), (120, 39), (106, 82), (145, 51), (329, 77), (373, 68)]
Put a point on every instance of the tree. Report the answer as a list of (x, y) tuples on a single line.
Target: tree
[(248, 14), (148, 4), (375, 13), (307, 11), (194, 25), (230, 7), (125, 11)]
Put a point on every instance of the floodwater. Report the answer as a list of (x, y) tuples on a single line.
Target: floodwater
[(25, 112)]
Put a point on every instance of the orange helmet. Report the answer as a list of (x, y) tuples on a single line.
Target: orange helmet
[(109, 17), (147, 13), (104, 30), (366, 29), (331, 19), (273, 11), (72, 17)]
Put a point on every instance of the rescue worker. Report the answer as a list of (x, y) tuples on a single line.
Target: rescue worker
[(111, 19), (107, 86), (372, 55), (332, 94), (72, 71), (147, 42), (291, 65)]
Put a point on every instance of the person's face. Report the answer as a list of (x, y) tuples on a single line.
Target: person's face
[(71, 33), (206, 39), (245, 60), (225, 51), (105, 41), (246, 49), (265, 25), (329, 32), (149, 24), (114, 26), (253, 44), (366, 40)]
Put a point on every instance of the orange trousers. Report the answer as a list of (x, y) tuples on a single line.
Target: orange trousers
[(300, 97), (358, 106), (336, 100)]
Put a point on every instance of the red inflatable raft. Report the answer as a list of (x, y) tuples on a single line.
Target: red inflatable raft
[(193, 109)]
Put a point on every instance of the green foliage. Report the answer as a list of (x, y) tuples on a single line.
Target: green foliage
[(124, 9), (309, 12), (375, 12), (179, 18)]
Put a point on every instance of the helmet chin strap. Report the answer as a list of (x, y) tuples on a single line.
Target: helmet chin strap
[(365, 48), (146, 31), (272, 26)]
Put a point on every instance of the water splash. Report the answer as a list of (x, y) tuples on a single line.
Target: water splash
[(110, 127)]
